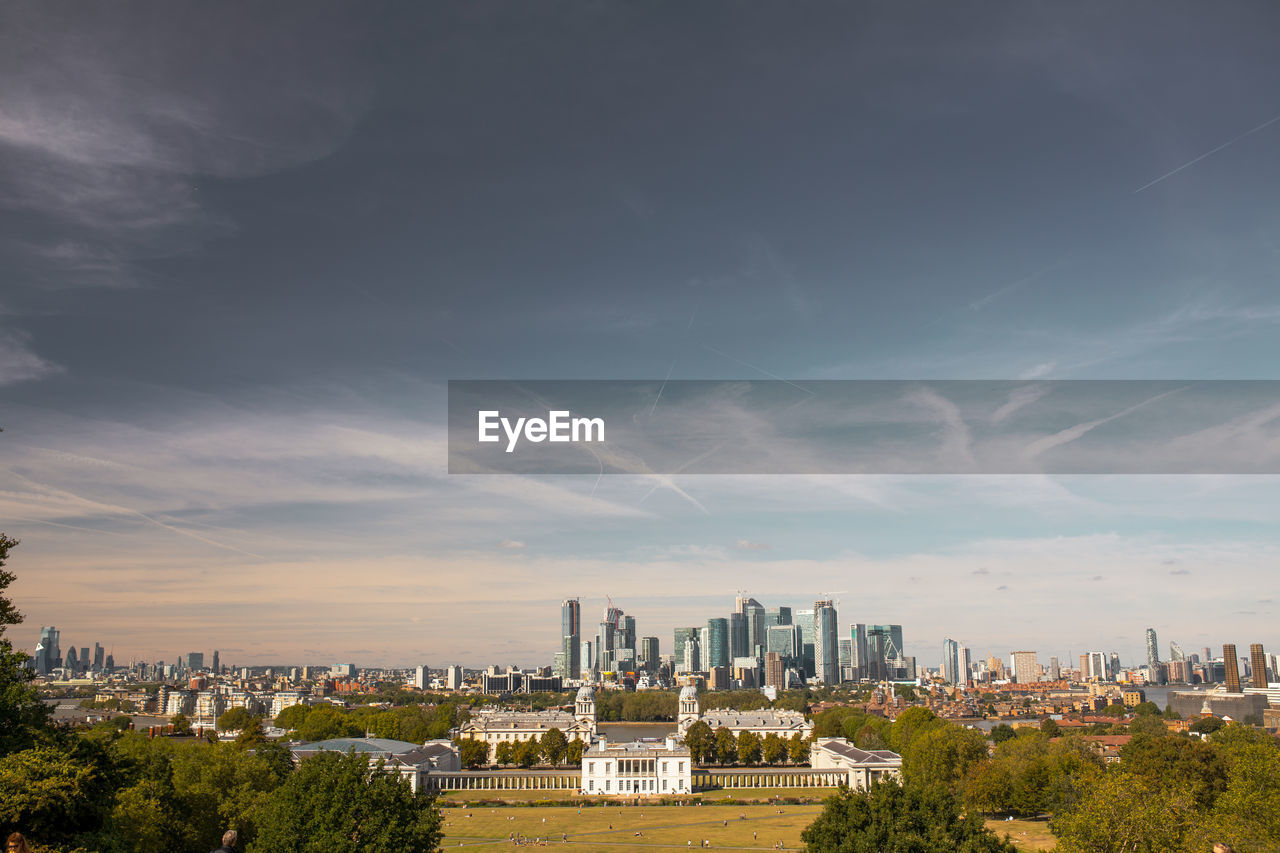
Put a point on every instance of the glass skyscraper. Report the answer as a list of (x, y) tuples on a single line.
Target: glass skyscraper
[(716, 648)]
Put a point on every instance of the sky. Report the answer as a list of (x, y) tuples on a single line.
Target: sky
[(244, 247)]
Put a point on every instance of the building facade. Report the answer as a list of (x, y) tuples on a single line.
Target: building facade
[(637, 769)]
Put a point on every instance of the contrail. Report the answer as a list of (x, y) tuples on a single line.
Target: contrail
[(1210, 153)]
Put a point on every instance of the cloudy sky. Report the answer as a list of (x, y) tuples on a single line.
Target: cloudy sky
[(244, 247)]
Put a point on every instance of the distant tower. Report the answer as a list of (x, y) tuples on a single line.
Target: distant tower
[(216, 663), (688, 713), (584, 707), (1231, 665), (1258, 663), (1153, 648)]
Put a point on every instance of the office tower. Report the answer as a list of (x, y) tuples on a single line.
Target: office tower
[(627, 626), (777, 616), (421, 677), (1153, 648), (951, 662), (805, 652), (607, 639), (649, 654), (1094, 667), (884, 650), (681, 640), (775, 670), (716, 650), (1232, 667), (966, 666), (846, 658), (111, 662), (73, 660), (858, 650), (99, 657), (571, 638), (586, 656), (1055, 670), (1026, 670), (1175, 651), (785, 640), (84, 658), (737, 635), (826, 644), (453, 677), (1258, 665), (1113, 667), (217, 663), (195, 660)]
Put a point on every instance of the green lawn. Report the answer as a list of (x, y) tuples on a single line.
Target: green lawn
[(612, 829), (1026, 834)]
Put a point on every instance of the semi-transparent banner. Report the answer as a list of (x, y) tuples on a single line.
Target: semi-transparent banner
[(864, 427)]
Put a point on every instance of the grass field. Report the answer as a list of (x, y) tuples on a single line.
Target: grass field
[(613, 829), (1026, 834)]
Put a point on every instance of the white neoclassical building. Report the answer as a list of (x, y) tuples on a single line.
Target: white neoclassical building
[(495, 727), (637, 769), (863, 766), (784, 724)]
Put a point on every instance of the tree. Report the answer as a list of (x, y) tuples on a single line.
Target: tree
[(291, 718), (554, 746), (573, 753), (1176, 760), (892, 817), (1002, 733), (1115, 709), (910, 724), (726, 746), (181, 725), (23, 717), (326, 721), (334, 802), (49, 792), (1050, 727), (798, 749), (701, 742), (1149, 725), (1207, 725), (773, 749), (471, 752), (235, 719), (1124, 811), (504, 753), (527, 752), (748, 747), (943, 755)]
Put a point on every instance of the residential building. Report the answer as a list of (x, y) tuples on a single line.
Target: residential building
[(826, 645), (1153, 648), (1258, 664), (1026, 670), (1232, 666)]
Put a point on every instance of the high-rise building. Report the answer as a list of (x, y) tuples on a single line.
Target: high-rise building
[(737, 635), (775, 670), (607, 639), (826, 643), (755, 628), (681, 640), (195, 661), (884, 651), (1055, 669), (1258, 664), (716, 650), (99, 657), (421, 677), (846, 656), (1026, 670), (785, 640), (570, 638), (453, 677), (805, 653), (649, 657), (1175, 652), (951, 662), (858, 650), (1153, 648), (777, 616), (73, 660), (1232, 667), (217, 663)]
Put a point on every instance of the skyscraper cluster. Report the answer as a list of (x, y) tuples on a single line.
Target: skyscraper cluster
[(76, 662)]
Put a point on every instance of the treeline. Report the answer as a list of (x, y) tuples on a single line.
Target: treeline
[(1168, 792), (105, 790), (412, 723), (723, 747)]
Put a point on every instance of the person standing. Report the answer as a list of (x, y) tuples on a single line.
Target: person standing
[(229, 839)]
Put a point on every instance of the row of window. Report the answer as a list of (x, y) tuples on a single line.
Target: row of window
[(629, 766), (635, 786)]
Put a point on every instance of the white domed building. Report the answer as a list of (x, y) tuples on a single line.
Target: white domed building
[(495, 727)]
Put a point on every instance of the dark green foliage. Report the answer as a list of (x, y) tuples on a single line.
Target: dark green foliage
[(472, 753), (890, 817), (24, 719), (701, 742), (1002, 733), (338, 802)]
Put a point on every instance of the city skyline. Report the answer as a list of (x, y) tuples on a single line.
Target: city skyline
[(237, 282)]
